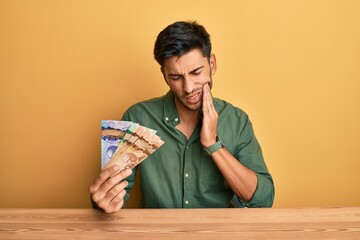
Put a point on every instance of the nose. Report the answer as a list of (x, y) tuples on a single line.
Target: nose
[(188, 85)]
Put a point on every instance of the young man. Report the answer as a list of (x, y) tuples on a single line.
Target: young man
[(210, 152)]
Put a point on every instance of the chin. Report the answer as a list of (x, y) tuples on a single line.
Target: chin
[(193, 108)]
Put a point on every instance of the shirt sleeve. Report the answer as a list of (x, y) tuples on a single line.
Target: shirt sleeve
[(249, 153)]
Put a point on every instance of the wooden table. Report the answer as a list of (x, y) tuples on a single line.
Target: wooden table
[(306, 223)]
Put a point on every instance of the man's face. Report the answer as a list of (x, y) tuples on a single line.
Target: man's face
[(186, 76)]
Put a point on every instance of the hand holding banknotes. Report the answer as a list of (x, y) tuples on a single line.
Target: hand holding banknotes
[(108, 189), (124, 145)]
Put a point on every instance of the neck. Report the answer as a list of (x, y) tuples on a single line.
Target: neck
[(187, 116), (188, 119)]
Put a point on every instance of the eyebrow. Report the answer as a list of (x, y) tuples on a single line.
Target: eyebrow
[(191, 72), (196, 69)]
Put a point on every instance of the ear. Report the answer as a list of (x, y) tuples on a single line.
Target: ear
[(163, 73), (213, 65)]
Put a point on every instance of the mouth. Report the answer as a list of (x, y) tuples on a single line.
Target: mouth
[(194, 98)]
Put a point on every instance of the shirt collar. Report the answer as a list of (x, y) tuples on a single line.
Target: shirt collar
[(170, 111)]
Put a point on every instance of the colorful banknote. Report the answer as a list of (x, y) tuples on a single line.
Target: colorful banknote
[(129, 145), (112, 133)]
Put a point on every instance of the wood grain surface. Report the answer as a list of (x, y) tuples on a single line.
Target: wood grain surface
[(305, 223)]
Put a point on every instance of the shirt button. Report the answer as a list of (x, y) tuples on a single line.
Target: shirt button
[(166, 119), (176, 119), (186, 202), (186, 174)]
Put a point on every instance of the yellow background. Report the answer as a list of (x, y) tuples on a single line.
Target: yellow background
[(293, 66)]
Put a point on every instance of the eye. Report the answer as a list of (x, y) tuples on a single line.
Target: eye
[(196, 73), (174, 77)]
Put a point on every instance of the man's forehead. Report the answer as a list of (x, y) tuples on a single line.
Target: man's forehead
[(183, 70), (185, 63)]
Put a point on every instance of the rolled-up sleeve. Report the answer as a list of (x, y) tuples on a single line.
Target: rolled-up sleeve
[(249, 153)]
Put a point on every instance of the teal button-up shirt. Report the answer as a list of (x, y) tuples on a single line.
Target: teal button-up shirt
[(180, 174)]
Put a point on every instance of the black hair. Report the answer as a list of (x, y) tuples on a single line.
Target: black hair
[(179, 38)]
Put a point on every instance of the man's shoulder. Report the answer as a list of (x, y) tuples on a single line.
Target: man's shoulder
[(156, 101), (152, 105), (225, 107)]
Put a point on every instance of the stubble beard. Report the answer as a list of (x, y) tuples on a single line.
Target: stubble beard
[(194, 108)]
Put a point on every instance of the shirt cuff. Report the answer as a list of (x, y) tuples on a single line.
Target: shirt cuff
[(263, 196)]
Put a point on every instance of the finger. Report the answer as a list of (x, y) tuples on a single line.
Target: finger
[(115, 191), (208, 105), (118, 177), (103, 176), (114, 207), (209, 95), (111, 182), (205, 97), (101, 192), (112, 194), (208, 86), (120, 197), (118, 200), (209, 121)]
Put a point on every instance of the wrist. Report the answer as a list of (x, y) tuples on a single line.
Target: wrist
[(210, 142), (214, 147)]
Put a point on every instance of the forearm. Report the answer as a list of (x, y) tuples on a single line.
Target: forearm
[(240, 179)]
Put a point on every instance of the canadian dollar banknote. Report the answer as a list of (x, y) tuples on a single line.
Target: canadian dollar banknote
[(112, 133), (128, 145)]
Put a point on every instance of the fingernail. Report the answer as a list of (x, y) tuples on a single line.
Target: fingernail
[(128, 172), (116, 167)]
